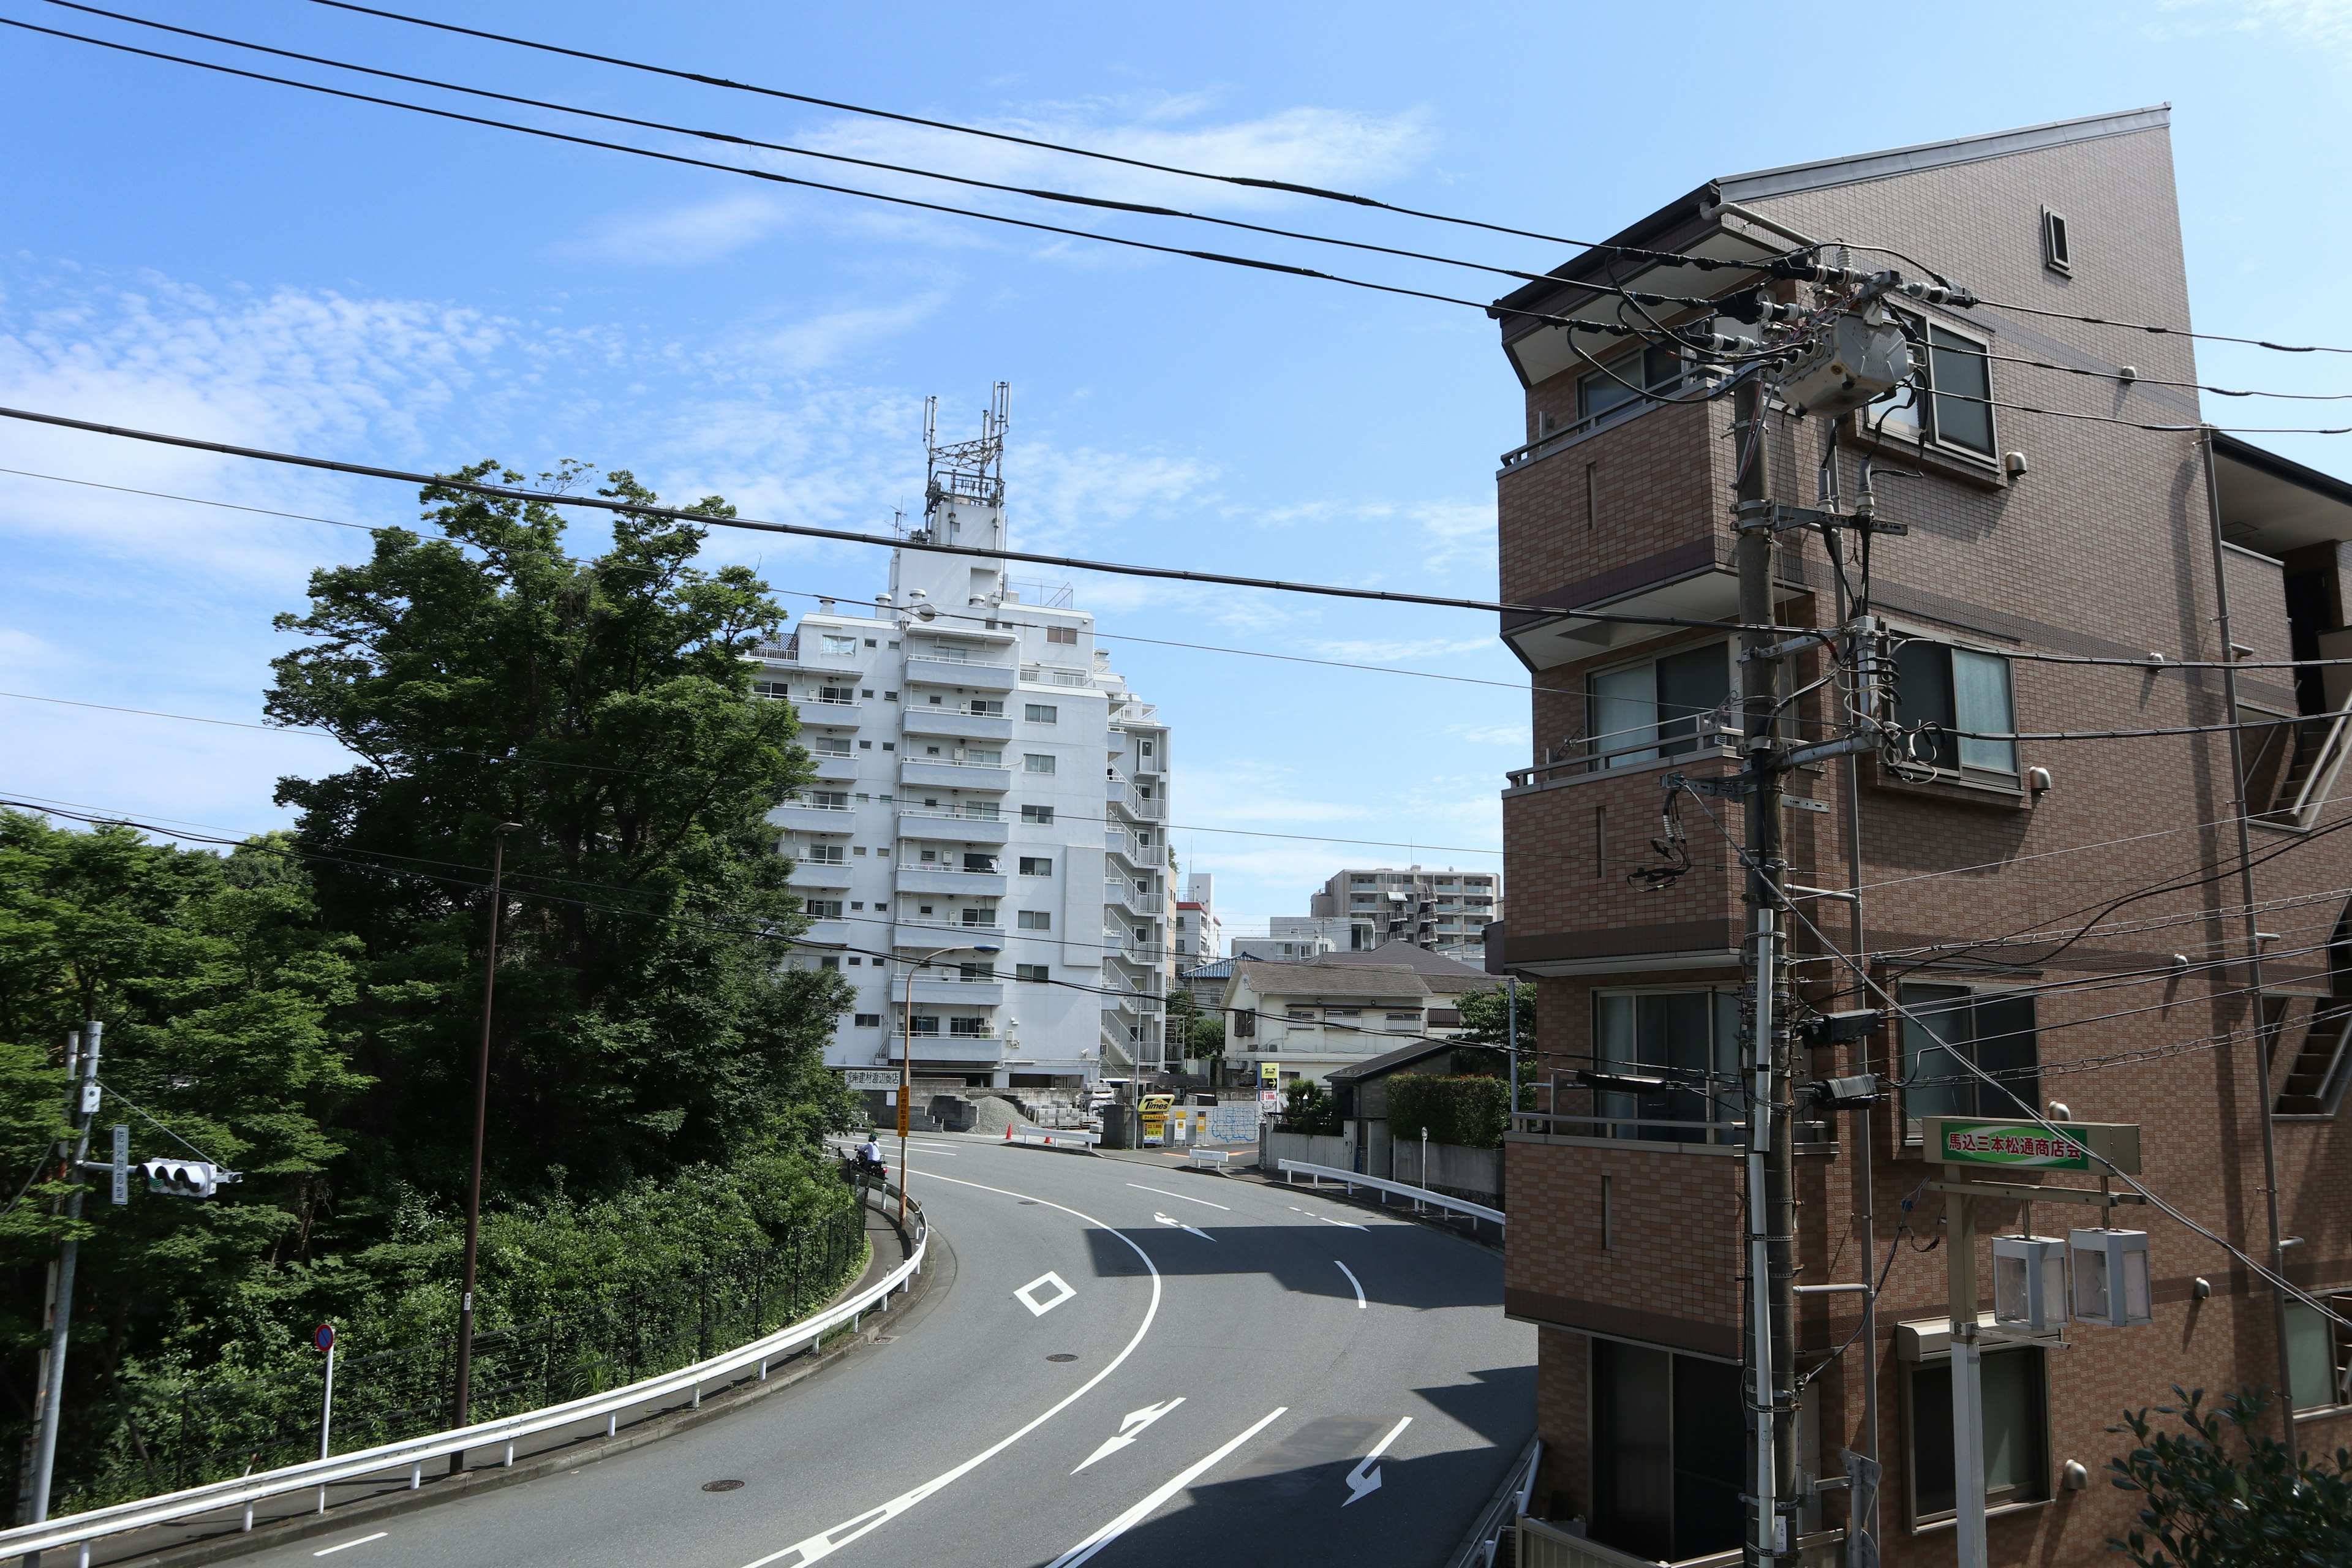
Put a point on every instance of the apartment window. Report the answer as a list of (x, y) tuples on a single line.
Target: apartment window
[(838, 647), (1949, 1025), (977, 970), (889, 746), (855, 961), (1667, 1452), (1035, 972), (828, 963), (1624, 381), (986, 756), (979, 861), (1689, 1041), (1041, 815), (866, 693), (1033, 919), (770, 689), (968, 1027), (1036, 866), (1951, 368), (862, 745), (866, 1021), (869, 642), (1343, 1012), (1306, 1015), (1062, 634), (1363, 882), (2015, 1426), (837, 694), (859, 850), (891, 695), (925, 1023), (823, 910), (1957, 689), (2057, 254), (1036, 762), (822, 854), (1040, 714), (1652, 710), (2319, 1355), (980, 917)]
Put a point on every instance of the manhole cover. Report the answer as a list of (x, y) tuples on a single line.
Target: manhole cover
[(725, 1486), (1061, 1355)]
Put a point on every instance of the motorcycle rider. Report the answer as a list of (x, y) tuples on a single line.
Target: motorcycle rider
[(869, 1154)]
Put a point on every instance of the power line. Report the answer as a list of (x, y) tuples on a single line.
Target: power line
[(2117, 377), (803, 531), (1140, 208)]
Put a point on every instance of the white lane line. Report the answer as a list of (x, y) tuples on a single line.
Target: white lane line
[(1131, 1428), (1352, 1281), (1038, 1308), (1365, 1478), (1327, 1219), (347, 1545), (824, 1544), (1179, 1224), (1118, 1527), (1188, 1198)]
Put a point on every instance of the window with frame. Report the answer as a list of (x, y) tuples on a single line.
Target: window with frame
[(2016, 1433), (1949, 401), (2319, 1354), (1690, 1039), (1623, 381), (1647, 712), (866, 1021), (1036, 866), (1957, 689), (1036, 762), (1033, 919), (824, 909), (1030, 972), (1947, 1026), (1041, 815), (1062, 634), (1040, 714), (925, 1023), (839, 646), (976, 970), (1667, 1452), (821, 854)]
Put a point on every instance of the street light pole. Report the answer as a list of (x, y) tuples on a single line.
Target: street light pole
[(482, 1113), (907, 1057)]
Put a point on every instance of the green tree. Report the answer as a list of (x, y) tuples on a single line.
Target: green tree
[(1486, 1021), (2220, 1494), (1470, 1111), (1197, 1034), (645, 1018), (1308, 1107)]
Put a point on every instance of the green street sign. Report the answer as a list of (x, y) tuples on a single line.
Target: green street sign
[(2011, 1144)]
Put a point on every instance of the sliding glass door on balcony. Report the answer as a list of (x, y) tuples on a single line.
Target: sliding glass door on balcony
[(1656, 709), (1688, 1043)]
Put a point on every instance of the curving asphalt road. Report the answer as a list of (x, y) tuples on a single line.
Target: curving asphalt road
[(1118, 1362)]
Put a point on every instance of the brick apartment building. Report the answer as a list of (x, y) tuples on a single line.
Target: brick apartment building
[(2095, 538)]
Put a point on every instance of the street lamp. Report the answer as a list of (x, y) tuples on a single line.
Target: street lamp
[(906, 1059), (481, 1110)]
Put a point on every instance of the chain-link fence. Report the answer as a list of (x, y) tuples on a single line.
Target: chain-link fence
[(168, 1436)]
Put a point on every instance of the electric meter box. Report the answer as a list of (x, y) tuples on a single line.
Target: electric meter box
[(2111, 1277), (1857, 359), (2029, 1282)]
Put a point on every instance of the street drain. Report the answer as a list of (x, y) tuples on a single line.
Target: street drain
[(1028, 1203), (726, 1486), (1061, 1355)]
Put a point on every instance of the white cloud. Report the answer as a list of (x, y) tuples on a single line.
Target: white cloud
[(681, 235), (827, 339), (2324, 24)]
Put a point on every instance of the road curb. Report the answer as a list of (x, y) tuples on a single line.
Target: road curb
[(570, 1456)]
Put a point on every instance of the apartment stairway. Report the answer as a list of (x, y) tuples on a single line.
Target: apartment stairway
[(2312, 751), (2310, 1082)]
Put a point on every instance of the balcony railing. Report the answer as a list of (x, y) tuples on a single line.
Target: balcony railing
[(970, 814), (1552, 441), (958, 656), (1053, 675)]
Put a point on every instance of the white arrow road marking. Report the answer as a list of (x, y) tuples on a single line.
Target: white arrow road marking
[(347, 1545), (825, 1543), (1188, 1198), (1118, 1527), (1365, 1478), (1329, 1220), (1131, 1427), (1356, 1282), (1179, 1224), (1038, 1308)]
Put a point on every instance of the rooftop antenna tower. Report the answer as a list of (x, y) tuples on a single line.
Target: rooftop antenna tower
[(968, 471)]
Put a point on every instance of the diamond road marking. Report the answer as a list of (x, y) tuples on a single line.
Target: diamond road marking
[(1027, 1297)]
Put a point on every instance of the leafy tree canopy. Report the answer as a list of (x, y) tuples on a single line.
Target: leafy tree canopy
[(2220, 1494)]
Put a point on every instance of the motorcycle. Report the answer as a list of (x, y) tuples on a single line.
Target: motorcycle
[(856, 1167)]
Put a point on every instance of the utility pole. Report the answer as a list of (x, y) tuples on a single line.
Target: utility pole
[(1511, 1032), (1771, 1215), (61, 1282), (481, 1115)]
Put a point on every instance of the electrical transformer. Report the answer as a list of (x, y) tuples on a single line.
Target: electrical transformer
[(1858, 358)]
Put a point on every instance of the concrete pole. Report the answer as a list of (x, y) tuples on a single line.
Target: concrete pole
[(1967, 1382), (53, 1384), (481, 1117)]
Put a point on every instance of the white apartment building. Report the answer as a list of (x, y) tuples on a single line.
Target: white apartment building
[(1446, 911), (1199, 937), (982, 775)]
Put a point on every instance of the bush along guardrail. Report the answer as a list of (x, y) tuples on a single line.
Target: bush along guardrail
[(170, 1439)]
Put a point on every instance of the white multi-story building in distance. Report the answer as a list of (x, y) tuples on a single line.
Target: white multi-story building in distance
[(982, 775), (1199, 938), (1446, 911)]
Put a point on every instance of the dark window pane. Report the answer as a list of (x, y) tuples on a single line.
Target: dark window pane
[(1659, 366), (1603, 390), (1923, 673), (1633, 1461), (1694, 682), (1938, 1023), (1710, 1452), (1957, 365), (1932, 1485), (2015, 1469), (2005, 1046)]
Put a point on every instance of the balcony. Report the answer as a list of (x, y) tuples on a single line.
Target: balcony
[(953, 880), (932, 1050), (819, 874), (827, 712), (972, 674), (1123, 847), (943, 772), (923, 934), (838, 767), (787, 654), (1123, 894), (807, 816), (827, 933), (1053, 675), (956, 993), (953, 827), (922, 719)]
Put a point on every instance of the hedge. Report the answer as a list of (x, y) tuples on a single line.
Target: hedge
[(1470, 1111)]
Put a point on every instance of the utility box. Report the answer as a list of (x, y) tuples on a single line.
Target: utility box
[(2111, 1277), (2028, 1282), (1857, 359)]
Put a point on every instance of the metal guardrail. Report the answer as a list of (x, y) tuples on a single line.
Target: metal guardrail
[(1053, 1137), (1502, 1510), (413, 1453), (1354, 1179)]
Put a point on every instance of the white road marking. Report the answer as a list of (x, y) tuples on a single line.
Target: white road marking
[(1188, 1198), (1118, 1527), (820, 1546), (1365, 1478), (1344, 1224), (347, 1545), (1039, 1308), (1131, 1428), (1352, 1281), (1179, 1224)]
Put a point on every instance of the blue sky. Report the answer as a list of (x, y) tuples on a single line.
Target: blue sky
[(237, 260)]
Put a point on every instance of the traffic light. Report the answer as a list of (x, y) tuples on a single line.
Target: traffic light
[(184, 1178)]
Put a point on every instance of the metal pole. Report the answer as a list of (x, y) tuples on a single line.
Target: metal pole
[(2263, 1040), (327, 1403), (907, 1083), (53, 1388), (1511, 1013), (1967, 1384), (1770, 1164), (482, 1113)]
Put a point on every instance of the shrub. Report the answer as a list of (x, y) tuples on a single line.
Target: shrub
[(2212, 1506), (1306, 1106), (1470, 1111)]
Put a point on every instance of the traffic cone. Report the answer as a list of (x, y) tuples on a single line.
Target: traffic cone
[(1008, 1132)]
